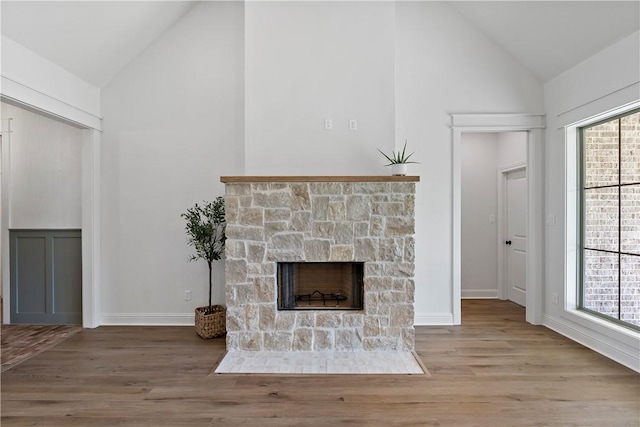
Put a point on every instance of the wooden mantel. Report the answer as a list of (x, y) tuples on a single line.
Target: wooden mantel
[(371, 178)]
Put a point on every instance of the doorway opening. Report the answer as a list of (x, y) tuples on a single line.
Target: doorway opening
[(529, 127), (494, 216), (52, 184)]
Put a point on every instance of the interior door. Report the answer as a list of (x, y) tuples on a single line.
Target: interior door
[(516, 242)]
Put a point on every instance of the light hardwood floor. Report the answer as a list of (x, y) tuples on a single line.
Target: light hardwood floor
[(495, 370)]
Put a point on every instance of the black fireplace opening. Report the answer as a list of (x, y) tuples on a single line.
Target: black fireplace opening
[(320, 285)]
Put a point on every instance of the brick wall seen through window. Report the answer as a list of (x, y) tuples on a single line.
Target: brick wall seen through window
[(610, 219)]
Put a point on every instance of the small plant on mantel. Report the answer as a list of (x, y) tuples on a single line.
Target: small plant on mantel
[(398, 161), (205, 230)]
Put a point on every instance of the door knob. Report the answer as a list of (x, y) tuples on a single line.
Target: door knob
[(508, 242)]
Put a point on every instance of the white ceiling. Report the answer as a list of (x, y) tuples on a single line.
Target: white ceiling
[(550, 37), (92, 39), (96, 39)]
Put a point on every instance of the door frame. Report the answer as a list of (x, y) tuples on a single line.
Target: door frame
[(534, 125), (502, 225), (90, 205)]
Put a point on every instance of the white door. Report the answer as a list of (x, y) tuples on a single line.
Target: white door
[(516, 242)]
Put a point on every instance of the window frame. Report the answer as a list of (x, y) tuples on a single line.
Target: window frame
[(580, 204)]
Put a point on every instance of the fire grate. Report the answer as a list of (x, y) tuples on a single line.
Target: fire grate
[(321, 296)]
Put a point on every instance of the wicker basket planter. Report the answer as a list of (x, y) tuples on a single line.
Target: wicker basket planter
[(211, 321)]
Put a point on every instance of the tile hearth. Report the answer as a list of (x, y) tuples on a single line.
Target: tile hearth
[(320, 362)]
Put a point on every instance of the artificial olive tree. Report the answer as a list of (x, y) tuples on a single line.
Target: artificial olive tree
[(206, 232)]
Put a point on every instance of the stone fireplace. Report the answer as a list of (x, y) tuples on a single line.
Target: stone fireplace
[(347, 241)]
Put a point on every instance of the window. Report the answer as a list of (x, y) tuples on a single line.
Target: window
[(610, 219)]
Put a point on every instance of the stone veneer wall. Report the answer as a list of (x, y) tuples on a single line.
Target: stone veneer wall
[(320, 221)]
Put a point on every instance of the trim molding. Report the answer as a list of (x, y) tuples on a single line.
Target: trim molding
[(601, 103), (503, 121), (479, 294), (364, 178), (91, 228), (433, 319), (623, 354), (148, 319), (13, 91), (5, 202)]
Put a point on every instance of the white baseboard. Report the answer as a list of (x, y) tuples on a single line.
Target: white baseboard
[(148, 319), (623, 354), (178, 319), (433, 319), (479, 293)]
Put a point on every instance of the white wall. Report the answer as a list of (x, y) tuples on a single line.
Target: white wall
[(482, 156), (311, 61), (512, 148), (173, 124), (605, 81), (479, 158), (445, 66), (44, 176)]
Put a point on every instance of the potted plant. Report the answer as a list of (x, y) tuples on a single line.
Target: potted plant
[(398, 161), (205, 230)]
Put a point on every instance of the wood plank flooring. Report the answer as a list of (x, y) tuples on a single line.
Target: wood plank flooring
[(21, 342), (495, 370)]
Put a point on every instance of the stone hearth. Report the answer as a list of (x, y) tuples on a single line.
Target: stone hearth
[(320, 219)]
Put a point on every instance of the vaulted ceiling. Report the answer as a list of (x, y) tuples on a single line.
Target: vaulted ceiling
[(92, 39), (550, 37), (96, 39)]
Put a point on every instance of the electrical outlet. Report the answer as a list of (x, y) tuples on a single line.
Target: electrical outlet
[(554, 298), (328, 124), (187, 295), (353, 124), (551, 220)]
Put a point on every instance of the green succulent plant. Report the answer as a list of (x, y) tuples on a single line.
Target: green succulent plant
[(398, 158)]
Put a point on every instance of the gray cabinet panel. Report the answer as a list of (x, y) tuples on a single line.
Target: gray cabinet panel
[(46, 276), (67, 274), (31, 273)]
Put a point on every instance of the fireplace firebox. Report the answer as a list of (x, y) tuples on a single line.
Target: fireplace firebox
[(320, 285)]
